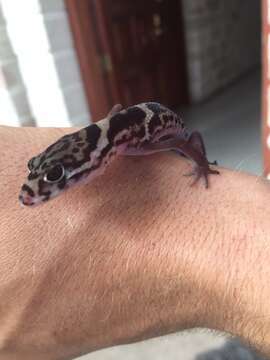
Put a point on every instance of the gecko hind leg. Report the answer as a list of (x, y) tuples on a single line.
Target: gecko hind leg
[(193, 150), (196, 140)]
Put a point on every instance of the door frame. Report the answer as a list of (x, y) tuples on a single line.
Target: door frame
[(92, 61), (265, 88)]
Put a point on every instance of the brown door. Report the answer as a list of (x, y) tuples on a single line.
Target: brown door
[(140, 45)]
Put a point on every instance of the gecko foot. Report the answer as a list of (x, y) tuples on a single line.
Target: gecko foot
[(202, 171)]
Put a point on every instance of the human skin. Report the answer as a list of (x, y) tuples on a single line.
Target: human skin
[(134, 254)]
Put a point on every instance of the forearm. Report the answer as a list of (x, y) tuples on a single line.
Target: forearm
[(134, 254)]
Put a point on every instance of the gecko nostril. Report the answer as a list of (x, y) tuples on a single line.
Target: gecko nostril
[(25, 199)]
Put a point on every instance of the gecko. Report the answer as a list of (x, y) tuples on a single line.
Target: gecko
[(141, 129)]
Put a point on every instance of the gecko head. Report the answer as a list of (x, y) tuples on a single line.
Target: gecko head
[(42, 185), (60, 166)]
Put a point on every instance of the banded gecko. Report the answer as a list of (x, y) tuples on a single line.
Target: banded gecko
[(138, 130)]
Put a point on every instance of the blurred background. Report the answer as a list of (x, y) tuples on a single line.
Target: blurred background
[(66, 63)]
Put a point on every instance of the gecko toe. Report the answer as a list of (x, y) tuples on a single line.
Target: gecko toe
[(215, 163), (214, 172), (202, 172)]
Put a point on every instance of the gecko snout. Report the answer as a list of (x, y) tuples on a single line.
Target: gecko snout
[(26, 196)]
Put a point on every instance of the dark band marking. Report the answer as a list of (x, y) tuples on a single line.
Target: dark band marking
[(42, 159), (154, 123), (93, 133), (69, 157), (41, 184), (57, 150), (76, 136), (167, 118), (30, 164), (27, 189), (141, 133), (105, 151), (101, 157), (33, 176), (121, 121), (123, 140)]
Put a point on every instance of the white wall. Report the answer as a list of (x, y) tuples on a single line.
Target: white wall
[(223, 42), (14, 104), (41, 38)]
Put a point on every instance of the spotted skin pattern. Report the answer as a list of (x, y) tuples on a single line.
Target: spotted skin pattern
[(138, 130)]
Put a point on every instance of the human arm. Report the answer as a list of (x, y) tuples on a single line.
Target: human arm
[(135, 254)]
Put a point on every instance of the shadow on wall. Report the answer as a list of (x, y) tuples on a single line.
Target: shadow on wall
[(232, 350)]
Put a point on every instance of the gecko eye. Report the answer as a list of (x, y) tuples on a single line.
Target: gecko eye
[(56, 174)]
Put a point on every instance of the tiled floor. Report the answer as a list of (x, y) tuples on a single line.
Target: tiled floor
[(230, 125)]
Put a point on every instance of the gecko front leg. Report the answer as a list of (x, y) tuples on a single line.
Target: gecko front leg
[(193, 148), (114, 110)]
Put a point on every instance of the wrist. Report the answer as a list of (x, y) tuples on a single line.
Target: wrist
[(238, 271)]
